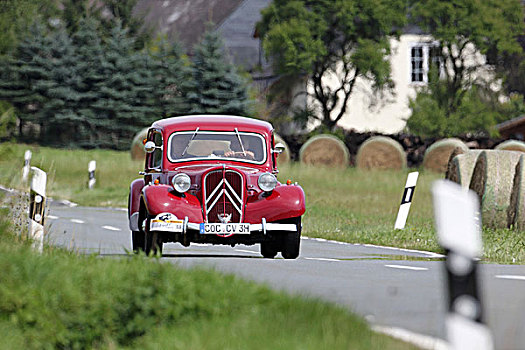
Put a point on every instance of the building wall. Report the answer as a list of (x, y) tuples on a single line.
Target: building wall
[(388, 113)]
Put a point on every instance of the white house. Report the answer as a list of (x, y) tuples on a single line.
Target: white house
[(410, 59)]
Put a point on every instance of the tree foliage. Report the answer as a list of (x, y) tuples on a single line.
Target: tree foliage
[(338, 39), (459, 97), (216, 86)]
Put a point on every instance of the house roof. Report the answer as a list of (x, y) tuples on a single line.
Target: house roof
[(183, 20), (512, 123)]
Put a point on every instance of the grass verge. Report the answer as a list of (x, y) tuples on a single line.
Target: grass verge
[(60, 300), (349, 205)]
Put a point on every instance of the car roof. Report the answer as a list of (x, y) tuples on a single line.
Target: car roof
[(213, 122)]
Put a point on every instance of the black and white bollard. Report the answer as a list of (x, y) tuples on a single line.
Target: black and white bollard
[(26, 168), (458, 227), (37, 205), (406, 200), (91, 168)]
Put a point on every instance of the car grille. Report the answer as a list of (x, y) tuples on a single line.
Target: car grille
[(223, 196)]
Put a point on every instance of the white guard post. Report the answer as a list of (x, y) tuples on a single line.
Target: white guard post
[(37, 205), (25, 169), (458, 227), (91, 168), (406, 201)]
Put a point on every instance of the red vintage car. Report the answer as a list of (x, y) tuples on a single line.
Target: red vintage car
[(212, 179)]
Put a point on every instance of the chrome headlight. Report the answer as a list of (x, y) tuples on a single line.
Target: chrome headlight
[(181, 182), (267, 182)]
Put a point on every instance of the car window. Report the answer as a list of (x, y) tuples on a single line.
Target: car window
[(155, 160), (242, 146)]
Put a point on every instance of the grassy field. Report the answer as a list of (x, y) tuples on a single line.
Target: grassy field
[(342, 204), (60, 300)]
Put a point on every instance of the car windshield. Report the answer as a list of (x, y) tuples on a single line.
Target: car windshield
[(196, 144)]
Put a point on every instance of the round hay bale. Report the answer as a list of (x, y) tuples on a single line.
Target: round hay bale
[(380, 152), (284, 157), (511, 145), (516, 209), (455, 152), (437, 155), (326, 150), (137, 145), (461, 166), (492, 180)]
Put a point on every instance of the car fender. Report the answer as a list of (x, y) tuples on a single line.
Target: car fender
[(283, 202), (134, 203), (164, 199)]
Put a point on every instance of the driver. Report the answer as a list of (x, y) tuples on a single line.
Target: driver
[(238, 153)]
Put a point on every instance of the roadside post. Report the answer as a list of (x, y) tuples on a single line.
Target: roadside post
[(37, 205), (25, 169), (459, 233), (406, 200), (91, 168)]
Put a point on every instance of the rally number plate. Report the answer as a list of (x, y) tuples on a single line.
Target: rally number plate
[(168, 225), (225, 229)]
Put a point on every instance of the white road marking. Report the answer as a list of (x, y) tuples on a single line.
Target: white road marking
[(419, 340), (511, 277), (430, 254), (52, 217), (111, 228), (404, 267), (77, 221), (322, 259), (246, 251)]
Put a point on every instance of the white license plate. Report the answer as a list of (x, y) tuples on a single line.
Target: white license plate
[(225, 229), (170, 226)]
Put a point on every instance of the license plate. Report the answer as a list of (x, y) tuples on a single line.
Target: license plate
[(169, 225), (225, 229)]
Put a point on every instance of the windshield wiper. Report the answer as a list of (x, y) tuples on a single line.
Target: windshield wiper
[(239, 137), (188, 145)]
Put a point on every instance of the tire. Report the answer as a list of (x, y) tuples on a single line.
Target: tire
[(292, 240), (137, 241), (152, 241), (269, 250)]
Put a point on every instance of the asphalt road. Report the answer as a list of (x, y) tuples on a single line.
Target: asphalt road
[(374, 282)]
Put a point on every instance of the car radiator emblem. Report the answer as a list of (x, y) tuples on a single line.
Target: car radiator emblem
[(224, 218)]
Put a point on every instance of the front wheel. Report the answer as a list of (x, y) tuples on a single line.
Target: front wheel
[(269, 250), (292, 240), (137, 241)]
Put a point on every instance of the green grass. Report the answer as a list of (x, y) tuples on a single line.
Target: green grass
[(348, 205), (62, 300)]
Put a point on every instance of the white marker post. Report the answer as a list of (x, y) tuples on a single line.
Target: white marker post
[(25, 169), (91, 168), (37, 205), (406, 201), (458, 228)]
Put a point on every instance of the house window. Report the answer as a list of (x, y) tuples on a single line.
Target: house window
[(422, 57)]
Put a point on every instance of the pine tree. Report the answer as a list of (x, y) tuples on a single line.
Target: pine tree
[(126, 100), (24, 75), (171, 71), (217, 88)]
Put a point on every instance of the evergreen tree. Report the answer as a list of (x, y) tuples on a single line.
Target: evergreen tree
[(90, 63), (171, 71), (216, 88), (23, 74), (126, 100)]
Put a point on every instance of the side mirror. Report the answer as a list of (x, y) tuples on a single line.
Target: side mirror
[(279, 148), (150, 147)]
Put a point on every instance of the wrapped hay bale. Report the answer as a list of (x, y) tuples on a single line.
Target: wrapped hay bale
[(326, 150), (511, 145), (437, 156), (380, 152), (516, 209), (457, 151), (492, 180), (461, 166), (137, 145), (284, 157)]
